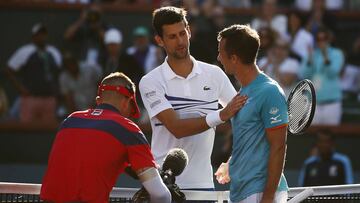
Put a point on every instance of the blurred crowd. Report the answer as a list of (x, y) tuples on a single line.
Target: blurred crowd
[(296, 44), (303, 5)]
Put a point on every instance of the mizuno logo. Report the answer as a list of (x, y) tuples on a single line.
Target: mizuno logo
[(275, 119), (206, 88)]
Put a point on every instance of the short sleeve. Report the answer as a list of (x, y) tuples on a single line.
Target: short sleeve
[(56, 54), (274, 108), (139, 154), (153, 96), (20, 57)]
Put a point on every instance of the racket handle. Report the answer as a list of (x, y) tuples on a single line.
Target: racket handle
[(302, 195)]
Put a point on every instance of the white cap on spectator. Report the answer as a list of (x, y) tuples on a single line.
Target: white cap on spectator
[(289, 66), (113, 35), (37, 28)]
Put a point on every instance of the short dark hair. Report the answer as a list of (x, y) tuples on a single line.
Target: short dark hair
[(241, 40), (167, 16), (118, 78)]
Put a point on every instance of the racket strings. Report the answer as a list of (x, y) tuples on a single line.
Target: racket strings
[(300, 108)]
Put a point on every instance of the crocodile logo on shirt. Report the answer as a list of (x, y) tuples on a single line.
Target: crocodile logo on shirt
[(206, 88)]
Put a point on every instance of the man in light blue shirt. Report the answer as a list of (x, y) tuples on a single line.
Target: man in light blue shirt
[(323, 67), (259, 128)]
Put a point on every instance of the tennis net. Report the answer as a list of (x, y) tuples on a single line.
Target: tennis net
[(23, 192)]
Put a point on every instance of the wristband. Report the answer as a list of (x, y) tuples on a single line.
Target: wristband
[(213, 119)]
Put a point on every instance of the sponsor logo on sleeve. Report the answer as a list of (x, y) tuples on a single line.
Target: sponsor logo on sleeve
[(273, 111), (155, 103), (150, 94), (275, 119)]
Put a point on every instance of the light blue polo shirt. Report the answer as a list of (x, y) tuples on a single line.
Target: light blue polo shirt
[(266, 108)]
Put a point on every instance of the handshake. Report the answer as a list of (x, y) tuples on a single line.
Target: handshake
[(174, 164)]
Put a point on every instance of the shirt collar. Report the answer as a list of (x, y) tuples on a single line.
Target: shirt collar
[(107, 107), (170, 74)]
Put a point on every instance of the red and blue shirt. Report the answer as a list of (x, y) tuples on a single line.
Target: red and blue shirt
[(90, 150)]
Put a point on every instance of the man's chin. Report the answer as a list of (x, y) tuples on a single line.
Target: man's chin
[(182, 56)]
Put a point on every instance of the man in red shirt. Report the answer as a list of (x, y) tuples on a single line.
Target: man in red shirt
[(93, 147)]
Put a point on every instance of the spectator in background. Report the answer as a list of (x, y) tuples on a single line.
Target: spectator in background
[(73, 1), (301, 40), (278, 58), (204, 28), (143, 51), (326, 167), (88, 33), (320, 17), (78, 83), (323, 67), (350, 79), (269, 18), (4, 104), (37, 65), (126, 2), (305, 5), (199, 47), (115, 59), (235, 3), (288, 76), (267, 39)]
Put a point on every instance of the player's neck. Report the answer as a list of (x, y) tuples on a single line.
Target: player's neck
[(247, 73), (181, 67)]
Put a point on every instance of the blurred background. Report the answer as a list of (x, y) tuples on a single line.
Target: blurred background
[(54, 53)]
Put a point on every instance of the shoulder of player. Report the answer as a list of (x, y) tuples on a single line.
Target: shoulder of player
[(207, 66), (26, 49), (340, 157), (121, 120), (210, 69), (154, 77), (270, 88), (271, 91), (110, 116), (311, 160), (79, 113)]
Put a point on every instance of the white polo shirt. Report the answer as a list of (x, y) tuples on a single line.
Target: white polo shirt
[(195, 96)]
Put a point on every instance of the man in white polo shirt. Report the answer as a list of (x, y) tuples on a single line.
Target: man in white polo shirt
[(182, 96)]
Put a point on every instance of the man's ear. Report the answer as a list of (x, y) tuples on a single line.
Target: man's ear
[(159, 41), (189, 31), (234, 58)]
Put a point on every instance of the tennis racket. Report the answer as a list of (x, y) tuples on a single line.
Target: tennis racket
[(301, 107)]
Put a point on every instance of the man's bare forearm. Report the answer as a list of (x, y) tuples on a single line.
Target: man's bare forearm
[(275, 168)]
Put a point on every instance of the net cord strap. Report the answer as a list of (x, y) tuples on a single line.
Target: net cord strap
[(220, 196)]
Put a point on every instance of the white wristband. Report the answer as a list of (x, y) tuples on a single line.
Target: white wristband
[(213, 119)]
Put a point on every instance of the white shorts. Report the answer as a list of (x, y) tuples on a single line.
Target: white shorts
[(328, 114), (280, 197)]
